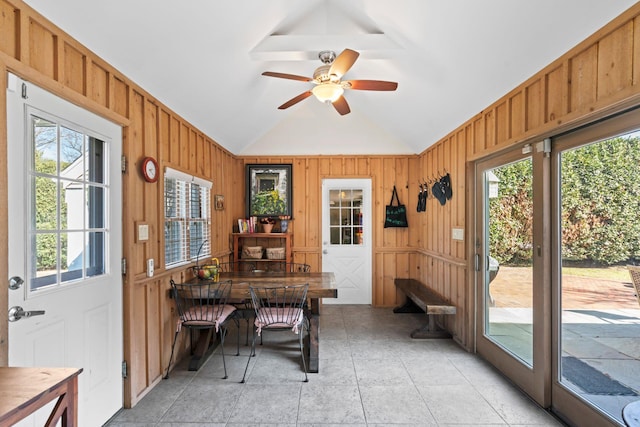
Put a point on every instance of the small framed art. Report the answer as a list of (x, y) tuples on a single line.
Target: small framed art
[(218, 202)]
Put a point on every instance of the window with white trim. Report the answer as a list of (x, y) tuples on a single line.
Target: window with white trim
[(187, 217), (69, 188)]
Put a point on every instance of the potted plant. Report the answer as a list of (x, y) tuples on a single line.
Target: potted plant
[(267, 224)]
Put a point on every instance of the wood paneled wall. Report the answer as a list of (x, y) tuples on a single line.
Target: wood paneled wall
[(38, 51), (391, 246), (597, 78)]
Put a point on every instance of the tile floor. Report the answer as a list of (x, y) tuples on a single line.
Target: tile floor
[(371, 374)]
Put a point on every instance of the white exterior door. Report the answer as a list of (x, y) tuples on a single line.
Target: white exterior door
[(65, 245), (346, 238)]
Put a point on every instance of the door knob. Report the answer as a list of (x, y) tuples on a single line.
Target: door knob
[(16, 313), (15, 282)]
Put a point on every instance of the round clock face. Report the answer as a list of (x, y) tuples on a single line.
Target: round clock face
[(150, 169)]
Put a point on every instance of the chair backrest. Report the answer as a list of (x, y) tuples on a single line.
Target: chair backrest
[(279, 307), (634, 272), (298, 268), (290, 267), (202, 304), (237, 266)]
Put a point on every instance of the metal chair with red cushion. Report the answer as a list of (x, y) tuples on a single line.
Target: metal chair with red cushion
[(279, 308), (243, 305), (203, 305)]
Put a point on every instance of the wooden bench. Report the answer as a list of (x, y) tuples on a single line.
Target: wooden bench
[(420, 298)]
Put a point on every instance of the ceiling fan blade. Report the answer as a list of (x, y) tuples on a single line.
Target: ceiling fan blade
[(343, 62), (371, 85), (341, 106), (295, 100), (287, 76)]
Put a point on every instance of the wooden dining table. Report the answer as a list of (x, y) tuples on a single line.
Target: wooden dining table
[(321, 285)]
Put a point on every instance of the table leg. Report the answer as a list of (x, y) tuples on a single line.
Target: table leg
[(65, 410), (314, 335), (59, 413), (203, 349), (313, 344)]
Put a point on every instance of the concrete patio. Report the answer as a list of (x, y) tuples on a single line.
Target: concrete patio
[(600, 328)]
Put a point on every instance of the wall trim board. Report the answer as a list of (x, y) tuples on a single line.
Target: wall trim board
[(572, 122), (458, 262), (29, 74)]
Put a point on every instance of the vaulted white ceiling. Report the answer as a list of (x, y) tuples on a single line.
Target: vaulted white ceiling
[(451, 59)]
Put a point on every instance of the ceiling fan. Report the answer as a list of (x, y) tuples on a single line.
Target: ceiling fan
[(329, 87)]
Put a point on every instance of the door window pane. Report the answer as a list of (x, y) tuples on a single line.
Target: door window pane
[(600, 236), (45, 214), (509, 273), (72, 209), (96, 201), (67, 210), (45, 146), (95, 253), (71, 152), (345, 217), (45, 258)]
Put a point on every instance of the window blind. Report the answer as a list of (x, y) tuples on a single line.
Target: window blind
[(187, 217)]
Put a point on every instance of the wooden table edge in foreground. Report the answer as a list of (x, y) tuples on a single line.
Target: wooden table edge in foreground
[(25, 390)]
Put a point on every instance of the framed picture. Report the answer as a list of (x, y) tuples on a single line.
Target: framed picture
[(218, 202), (268, 190)]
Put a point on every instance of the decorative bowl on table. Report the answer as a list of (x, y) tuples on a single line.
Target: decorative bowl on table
[(207, 271)]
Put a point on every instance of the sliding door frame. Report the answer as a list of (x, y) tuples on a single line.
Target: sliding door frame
[(565, 403), (542, 381), (534, 380)]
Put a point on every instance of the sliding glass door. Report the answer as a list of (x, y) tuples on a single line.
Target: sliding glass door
[(557, 227), (509, 259), (597, 234)]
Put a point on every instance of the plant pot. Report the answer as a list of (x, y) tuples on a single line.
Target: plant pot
[(266, 228)]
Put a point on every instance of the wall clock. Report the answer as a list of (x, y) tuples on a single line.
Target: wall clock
[(150, 169)]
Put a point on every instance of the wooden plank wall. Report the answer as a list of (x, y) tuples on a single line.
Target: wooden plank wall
[(425, 250), (597, 78), (392, 246), (439, 260), (38, 51)]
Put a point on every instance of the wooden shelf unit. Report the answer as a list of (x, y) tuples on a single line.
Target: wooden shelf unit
[(266, 240)]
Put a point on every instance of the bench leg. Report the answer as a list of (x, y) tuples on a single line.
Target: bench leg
[(430, 330), (408, 307)]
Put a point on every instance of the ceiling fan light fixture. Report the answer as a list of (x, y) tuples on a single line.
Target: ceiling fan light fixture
[(328, 92), (327, 79)]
